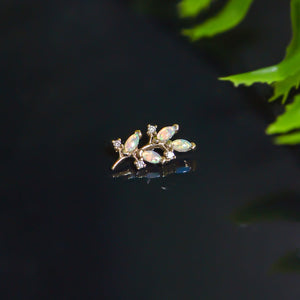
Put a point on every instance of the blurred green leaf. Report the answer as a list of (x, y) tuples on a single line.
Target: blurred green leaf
[(191, 8), (288, 139), (288, 121), (290, 263), (294, 45), (283, 87), (285, 75), (230, 16), (280, 206), (282, 71)]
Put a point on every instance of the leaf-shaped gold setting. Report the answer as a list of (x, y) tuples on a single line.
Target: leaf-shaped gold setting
[(132, 142), (160, 140), (167, 133), (151, 157)]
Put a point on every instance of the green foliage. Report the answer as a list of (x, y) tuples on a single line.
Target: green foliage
[(288, 139), (232, 14), (289, 263), (191, 8), (283, 87), (283, 76), (287, 122), (279, 206), (294, 46), (290, 120)]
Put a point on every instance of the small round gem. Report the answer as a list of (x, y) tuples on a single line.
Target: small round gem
[(131, 143), (151, 129), (140, 164), (152, 157), (181, 145), (166, 133), (169, 155), (116, 143)]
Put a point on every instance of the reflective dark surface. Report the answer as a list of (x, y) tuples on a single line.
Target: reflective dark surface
[(177, 166), (76, 75)]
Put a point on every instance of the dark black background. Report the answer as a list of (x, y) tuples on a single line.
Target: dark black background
[(77, 74)]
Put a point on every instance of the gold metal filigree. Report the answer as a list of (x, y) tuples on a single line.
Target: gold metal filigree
[(161, 140)]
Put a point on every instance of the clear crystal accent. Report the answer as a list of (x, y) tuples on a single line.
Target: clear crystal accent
[(151, 129), (117, 143), (169, 155), (140, 164)]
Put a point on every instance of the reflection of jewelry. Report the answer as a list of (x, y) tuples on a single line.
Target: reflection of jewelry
[(160, 140), (175, 167)]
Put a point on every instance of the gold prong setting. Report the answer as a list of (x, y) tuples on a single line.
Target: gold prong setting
[(161, 140), (151, 129), (117, 144), (176, 127), (139, 164)]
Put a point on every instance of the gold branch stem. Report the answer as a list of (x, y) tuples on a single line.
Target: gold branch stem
[(154, 146), (118, 161)]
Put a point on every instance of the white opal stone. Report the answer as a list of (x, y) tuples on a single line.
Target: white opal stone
[(131, 143), (151, 157), (181, 145), (166, 133)]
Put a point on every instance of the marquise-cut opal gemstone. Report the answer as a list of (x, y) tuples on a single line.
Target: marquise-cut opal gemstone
[(131, 143), (166, 133), (181, 145), (151, 157)]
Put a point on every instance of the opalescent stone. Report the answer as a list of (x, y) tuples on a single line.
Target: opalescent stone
[(131, 143), (151, 157), (181, 145), (166, 133)]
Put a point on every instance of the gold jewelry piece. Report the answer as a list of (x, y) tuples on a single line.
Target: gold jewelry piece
[(160, 140)]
